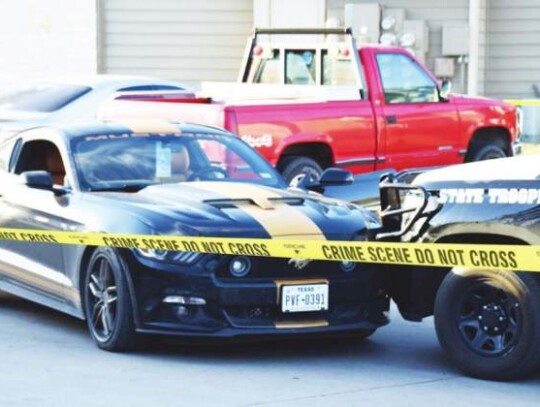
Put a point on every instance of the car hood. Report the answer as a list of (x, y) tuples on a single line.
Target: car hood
[(521, 168), (230, 209), (478, 100)]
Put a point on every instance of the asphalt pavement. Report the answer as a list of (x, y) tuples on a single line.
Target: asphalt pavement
[(48, 359)]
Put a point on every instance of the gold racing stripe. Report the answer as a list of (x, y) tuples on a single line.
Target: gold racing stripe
[(153, 126), (278, 218)]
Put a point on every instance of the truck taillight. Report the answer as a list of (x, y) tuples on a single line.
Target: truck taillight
[(257, 50), (229, 120)]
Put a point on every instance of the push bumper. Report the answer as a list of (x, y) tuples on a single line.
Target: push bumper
[(516, 148)]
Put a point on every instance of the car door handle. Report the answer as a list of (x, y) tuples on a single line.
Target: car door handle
[(391, 119)]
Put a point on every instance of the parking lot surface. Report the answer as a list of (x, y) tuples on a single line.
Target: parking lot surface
[(48, 359)]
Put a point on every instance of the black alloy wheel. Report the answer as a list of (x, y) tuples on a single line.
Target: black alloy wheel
[(488, 322), (107, 302), (102, 295)]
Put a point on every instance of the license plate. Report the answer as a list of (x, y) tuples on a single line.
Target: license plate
[(304, 298)]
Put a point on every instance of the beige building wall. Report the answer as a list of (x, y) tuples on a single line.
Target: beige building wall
[(512, 54), (185, 40)]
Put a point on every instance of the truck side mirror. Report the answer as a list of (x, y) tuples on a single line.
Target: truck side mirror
[(445, 90)]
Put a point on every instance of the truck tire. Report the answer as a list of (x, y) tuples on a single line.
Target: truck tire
[(488, 152), (294, 168), (488, 323)]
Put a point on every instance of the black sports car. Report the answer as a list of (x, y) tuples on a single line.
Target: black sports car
[(176, 180)]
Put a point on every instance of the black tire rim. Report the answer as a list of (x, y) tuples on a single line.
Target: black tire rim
[(101, 297), (489, 320)]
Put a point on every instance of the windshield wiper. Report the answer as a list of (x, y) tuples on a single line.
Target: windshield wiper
[(120, 188)]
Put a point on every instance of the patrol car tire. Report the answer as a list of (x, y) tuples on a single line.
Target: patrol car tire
[(121, 336), (488, 152), (461, 301), (293, 167)]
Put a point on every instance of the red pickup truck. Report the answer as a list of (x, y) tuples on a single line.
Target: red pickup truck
[(312, 105)]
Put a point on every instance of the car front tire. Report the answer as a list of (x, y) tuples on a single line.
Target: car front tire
[(107, 302), (488, 323)]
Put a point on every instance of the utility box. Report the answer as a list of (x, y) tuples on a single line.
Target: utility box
[(365, 20), (445, 68), (392, 19), (455, 40)]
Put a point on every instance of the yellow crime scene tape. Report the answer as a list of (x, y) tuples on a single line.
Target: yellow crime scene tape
[(478, 256)]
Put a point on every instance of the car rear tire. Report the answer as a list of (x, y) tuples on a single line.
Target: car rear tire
[(488, 323), (488, 152), (295, 168), (107, 302)]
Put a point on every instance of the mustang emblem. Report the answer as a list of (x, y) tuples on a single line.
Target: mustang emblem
[(299, 264)]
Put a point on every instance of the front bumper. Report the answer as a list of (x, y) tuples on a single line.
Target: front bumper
[(517, 148), (250, 306)]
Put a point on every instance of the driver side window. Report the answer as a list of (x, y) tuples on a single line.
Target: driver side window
[(404, 81), (41, 155)]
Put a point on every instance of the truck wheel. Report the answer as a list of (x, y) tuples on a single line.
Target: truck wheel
[(107, 303), (488, 322), (295, 168), (488, 152)]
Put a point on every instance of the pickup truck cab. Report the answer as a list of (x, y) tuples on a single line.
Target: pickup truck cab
[(306, 106)]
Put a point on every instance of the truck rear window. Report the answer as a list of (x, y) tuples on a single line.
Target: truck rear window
[(303, 66), (337, 70)]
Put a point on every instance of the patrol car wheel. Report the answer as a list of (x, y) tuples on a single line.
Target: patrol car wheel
[(295, 168), (488, 322), (107, 302)]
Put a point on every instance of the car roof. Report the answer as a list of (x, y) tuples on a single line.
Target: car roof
[(147, 126), (103, 79)]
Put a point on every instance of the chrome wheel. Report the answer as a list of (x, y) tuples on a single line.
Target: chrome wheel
[(102, 298)]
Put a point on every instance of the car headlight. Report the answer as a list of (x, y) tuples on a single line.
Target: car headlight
[(170, 256)]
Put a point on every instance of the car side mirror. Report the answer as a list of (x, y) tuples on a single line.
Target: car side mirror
[(445, 90), (329, 177), (335, 177), (37, 179)]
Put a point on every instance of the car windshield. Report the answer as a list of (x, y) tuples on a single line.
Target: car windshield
[(130, 162), (43, 98)]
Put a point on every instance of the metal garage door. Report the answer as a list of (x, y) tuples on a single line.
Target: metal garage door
[(184, 40)]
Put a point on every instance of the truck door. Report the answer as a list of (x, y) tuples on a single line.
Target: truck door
[(420, 130)]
